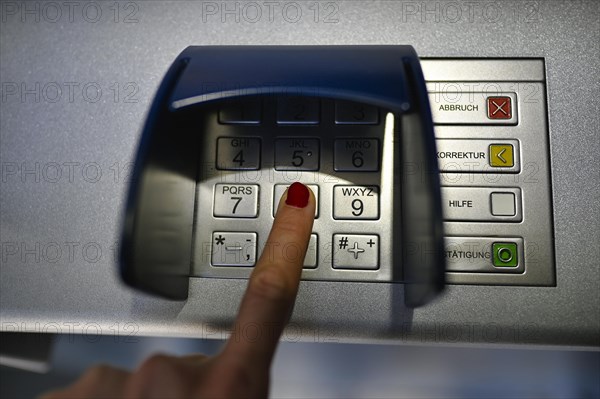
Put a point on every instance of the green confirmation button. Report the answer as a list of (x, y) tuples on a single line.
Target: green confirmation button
[(505, 254)]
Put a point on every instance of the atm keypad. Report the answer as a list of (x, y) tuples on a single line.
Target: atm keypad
[(496, 201), (334, 147)]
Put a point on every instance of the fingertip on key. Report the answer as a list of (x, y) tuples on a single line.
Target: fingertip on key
[(298, 195)]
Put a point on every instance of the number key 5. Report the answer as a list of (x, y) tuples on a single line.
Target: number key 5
[(297, 154)]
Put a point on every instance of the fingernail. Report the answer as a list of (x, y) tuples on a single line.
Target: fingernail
[(297, 195)]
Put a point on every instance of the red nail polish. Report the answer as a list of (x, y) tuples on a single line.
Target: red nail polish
[(297, 195)]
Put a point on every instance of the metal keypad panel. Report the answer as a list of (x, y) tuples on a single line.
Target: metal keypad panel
[(492, 150), (250, 157), (493, 153)]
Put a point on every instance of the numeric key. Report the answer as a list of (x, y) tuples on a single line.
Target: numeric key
[(238, 153), (297, 111), (241, 112), (356, 202), (356, 155), (352, 113), (236, 200), (297, 154), (280, 189)]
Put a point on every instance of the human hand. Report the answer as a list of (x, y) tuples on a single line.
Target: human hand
[(241, 369)]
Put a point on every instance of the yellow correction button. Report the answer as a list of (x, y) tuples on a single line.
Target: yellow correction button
[(502, 155)]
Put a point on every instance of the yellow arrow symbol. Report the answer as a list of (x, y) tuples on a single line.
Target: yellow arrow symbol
[(499, 155)]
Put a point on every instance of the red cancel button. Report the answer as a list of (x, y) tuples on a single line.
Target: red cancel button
[(499, 108)]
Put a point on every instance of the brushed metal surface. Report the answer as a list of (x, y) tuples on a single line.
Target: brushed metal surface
[(79, 291)]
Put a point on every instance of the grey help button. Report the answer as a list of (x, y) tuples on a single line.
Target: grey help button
[(481, 204), (472, 108)]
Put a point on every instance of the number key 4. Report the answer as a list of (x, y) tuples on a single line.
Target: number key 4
[(238, 153)]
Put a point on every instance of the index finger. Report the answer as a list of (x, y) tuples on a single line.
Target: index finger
[(273, 285)]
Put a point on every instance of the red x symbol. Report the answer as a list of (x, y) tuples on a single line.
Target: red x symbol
[(499, 108)]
